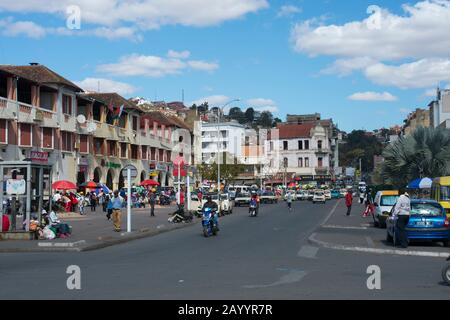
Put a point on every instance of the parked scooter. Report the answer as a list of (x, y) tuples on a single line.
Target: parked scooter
[(446, 272), (253, 208), (209, 222)]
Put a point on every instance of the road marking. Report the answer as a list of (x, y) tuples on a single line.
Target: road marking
[(377, 251), (292, 277), (343, 227), (331, 213), (308, 252), (61, 244)]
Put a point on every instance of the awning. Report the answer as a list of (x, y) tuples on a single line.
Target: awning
[(424, 183)]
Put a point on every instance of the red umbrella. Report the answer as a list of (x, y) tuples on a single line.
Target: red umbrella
[(92, 185), (147, 183), (64, 185)]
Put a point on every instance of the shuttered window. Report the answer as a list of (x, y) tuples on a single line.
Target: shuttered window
[(84, 145), (67, 141), (3, 131), (123, 150), (67, 104), (25, 135), (47, 138), (144, 153)]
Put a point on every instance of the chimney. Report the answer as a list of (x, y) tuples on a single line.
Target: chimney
[(34, 64)]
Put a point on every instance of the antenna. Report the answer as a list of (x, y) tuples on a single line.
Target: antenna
[(98, 86), (182, 95)]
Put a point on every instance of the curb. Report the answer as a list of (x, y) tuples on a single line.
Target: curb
[(410, 253), (73, 247)]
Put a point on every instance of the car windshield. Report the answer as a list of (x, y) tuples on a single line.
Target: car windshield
[(223, 197), (319, 194), (267, 194), (242, 195), (445, 193), (426, 209), (213, 196), (388, 201)]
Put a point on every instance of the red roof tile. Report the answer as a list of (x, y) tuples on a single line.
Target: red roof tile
[(292, 131)]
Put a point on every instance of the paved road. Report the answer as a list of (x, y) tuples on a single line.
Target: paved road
[(253, 258)]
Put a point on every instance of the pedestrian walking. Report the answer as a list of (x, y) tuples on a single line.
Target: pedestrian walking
[(289, 200), (402, 211), (93, 201), (349, 201), (152, 202), (108, 204), (81, 203), (116, 204)]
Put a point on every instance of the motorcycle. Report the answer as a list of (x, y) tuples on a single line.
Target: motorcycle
[(209, 222), (446, 272), (180, 216), (253, 208)]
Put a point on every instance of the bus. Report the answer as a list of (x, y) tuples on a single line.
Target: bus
[(440, 191)]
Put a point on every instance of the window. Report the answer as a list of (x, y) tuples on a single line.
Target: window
[(25, 135), (135, 123), (320, 162), (153, 154), (67, 141), (271, 146), (285, 145), (112, 148), (84, 146), (98, 146), (306, 144), (285, 162), (123, 150), (96, 112), (300, 145), (144, 153), (319, 144), (306, 162), (300, 162), (67, 104), (134, 152), (123, 120), (3, 131), (47, 138), (161, 155)]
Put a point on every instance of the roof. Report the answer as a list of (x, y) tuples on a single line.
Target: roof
[(166, 120), (39, 74), (292, 131), (114, 98)]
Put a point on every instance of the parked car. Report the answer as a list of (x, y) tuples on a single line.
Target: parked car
[(327, 194), (428, 221), (242, 199), (268, 197), (319, 196), (383, 202), (310, 195)]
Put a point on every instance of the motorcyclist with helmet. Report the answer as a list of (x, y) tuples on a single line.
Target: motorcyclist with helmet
[(256, 201), (213, 206)]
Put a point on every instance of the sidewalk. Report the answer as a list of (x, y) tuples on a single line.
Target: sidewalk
[(93, 231), (355, 233)]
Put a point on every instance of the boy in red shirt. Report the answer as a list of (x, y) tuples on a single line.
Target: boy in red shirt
[(349, 201)]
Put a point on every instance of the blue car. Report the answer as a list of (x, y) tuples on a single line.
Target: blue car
[(428, 221)]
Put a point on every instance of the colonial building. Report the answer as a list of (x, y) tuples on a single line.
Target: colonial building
[(418, 118), (84, 136), (304, 151), (440, 109)]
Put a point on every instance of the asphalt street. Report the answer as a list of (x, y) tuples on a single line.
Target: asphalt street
[(268, 257)]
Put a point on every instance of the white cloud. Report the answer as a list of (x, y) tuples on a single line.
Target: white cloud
[(419, 74), (152, 66), (372, 96), (179, 54), (422, 31), (203, 65), (29, 29), (288, 11), (345, 67), (143, 14), (261, 104), (106, 85)]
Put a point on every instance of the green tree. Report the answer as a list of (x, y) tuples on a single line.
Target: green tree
[(266, 119), (237, 114), (425, 153), (360, 140), (250, 115)]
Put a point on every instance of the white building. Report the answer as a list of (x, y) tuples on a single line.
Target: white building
[(304, 151), (440, 110), (227, 137)]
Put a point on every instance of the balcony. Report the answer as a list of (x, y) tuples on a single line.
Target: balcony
[(322, 151)]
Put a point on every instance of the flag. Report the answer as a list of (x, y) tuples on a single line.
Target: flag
[(118, 113)]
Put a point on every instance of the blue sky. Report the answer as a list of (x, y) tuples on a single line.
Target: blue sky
[(296, 57)]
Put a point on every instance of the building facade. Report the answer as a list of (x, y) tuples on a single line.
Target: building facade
[(84, 136), (440, 109), (418, 118)]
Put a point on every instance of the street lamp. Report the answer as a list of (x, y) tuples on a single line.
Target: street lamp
[(221, 109)]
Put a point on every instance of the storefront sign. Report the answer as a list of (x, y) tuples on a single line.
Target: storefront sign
[(113, 165), (132, 169), (39, 157), (15, 186), (162, 167)]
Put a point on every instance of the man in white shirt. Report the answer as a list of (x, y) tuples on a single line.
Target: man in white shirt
[(57, 197), (402, 210)]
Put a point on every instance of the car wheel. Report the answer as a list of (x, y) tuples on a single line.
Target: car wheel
[(389, 238), (446, 273)]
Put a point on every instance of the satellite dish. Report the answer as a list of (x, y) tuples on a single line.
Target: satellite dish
[(91, 127), (81, 119)]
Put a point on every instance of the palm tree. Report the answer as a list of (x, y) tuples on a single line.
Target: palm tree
[(426, 153)]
